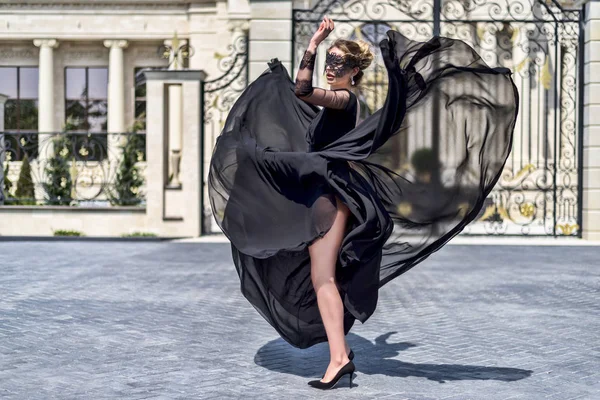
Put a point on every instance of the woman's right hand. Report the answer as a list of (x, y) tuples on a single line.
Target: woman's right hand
[(324, 30)]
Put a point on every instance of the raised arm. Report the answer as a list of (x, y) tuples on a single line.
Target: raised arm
[(304, 88)]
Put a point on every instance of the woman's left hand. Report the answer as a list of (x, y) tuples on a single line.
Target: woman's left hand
[(324, 30)]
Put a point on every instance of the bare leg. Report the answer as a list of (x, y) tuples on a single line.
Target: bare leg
[(323, 257)]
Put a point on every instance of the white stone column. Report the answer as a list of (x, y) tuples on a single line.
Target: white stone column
[(591, 125), (46, 85), (46, 107), (116, 99)]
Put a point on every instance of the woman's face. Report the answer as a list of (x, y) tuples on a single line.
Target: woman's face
[(338, 73)]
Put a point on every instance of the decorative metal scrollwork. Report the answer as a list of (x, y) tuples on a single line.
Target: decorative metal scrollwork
[(72, 169), (538, 193), (176, 52), (220, 93)]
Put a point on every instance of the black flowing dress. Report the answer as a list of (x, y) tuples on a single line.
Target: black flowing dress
[(280, 162)]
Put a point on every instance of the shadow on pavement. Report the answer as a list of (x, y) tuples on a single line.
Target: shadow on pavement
[(375, 358)]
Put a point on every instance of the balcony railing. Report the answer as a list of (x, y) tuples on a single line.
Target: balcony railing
[(72, 169)]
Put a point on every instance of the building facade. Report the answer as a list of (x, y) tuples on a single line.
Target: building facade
[(71, 67)]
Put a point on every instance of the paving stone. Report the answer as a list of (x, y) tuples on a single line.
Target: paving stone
[(166, 320)]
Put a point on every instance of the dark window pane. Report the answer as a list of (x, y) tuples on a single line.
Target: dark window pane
[(98, 83), (75, 116), (140, 91), (8, 81), (10, 115), (140, 113), (28, 83), (142, 147), (140, 109), (75, 83), (28, 115), (97, 115), (140, 88)]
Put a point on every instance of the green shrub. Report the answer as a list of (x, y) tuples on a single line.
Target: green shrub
[(25, 192), (7, 184), (67, 232), (59, 183), (128, 180), (139, 234)]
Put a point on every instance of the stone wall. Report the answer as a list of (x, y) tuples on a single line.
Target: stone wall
[(270, 35), (591, 122)]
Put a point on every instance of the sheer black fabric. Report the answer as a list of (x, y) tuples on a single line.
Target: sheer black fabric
[(413, 174)]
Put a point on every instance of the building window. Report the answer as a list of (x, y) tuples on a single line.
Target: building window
[(20, 84), (140, 98), (140, 103), (86, 103)]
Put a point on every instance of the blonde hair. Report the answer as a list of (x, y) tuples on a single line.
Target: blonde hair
[(358, 51)]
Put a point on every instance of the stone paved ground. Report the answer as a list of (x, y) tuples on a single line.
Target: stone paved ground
[(136, 320)]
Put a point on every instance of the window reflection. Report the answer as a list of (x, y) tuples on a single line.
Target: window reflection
[(28, 82), (20, 84), (86, 110), (75, 83), (140, 105), (8, 81), (140, 99), (98, 83)]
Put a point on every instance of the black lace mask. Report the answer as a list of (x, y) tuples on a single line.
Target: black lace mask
[(338, 65)]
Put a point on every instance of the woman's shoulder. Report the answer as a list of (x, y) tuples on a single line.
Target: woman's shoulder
[(346, 89), (352, 101)]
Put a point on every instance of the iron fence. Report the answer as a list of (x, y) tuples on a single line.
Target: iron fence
[(539, 192), (72, 169)]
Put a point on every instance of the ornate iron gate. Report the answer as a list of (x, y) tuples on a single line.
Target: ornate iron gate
[(539, 191), (218, 95)]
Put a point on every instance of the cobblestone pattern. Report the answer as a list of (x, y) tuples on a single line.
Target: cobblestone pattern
[(106, 320)]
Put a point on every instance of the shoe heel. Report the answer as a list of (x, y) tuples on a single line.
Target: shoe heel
[(351, 373)]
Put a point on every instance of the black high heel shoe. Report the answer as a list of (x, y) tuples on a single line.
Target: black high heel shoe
[(346, 369)]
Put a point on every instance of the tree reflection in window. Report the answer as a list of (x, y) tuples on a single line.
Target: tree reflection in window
[(140, 104), (86, 104), (20, 84)]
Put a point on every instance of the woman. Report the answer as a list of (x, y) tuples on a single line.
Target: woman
[(319, 212), (343, 63)]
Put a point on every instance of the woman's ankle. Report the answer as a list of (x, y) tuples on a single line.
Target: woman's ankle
[(339, 360)]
